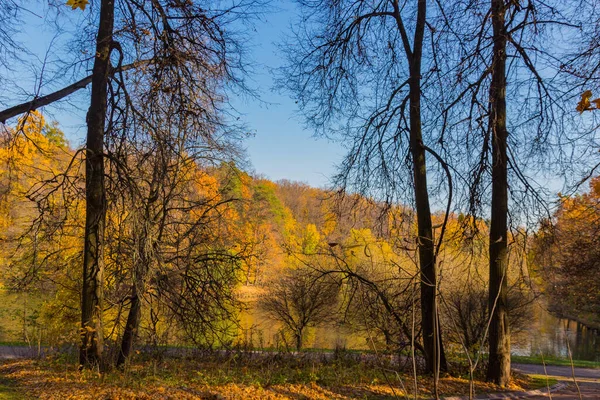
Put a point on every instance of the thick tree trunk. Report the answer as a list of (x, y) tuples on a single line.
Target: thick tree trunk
[(131, 328), (93, 264), (499, 334), (432, 341)]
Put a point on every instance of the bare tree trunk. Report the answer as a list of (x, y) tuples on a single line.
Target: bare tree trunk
[(131, 328), (144, 256), (432, 342), (93, 263), (499, 334)]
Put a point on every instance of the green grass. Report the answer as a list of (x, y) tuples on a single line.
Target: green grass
[(541, 381), (15, 343), (554, 361)]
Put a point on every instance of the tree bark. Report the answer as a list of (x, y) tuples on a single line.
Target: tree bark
[(131, 328), (499, 334), (432, 342), (93, 264)]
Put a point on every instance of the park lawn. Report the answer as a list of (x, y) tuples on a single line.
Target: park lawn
[(235, 377), (541, 381)]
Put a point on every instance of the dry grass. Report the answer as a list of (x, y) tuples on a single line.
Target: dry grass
[(228, 378)]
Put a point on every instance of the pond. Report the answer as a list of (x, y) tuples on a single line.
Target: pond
[(556, 337)]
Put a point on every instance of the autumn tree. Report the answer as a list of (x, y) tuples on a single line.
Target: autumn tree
[(566, 258), (499, 333), (380, 288), (175, 230), (506, 125), (42, 226), (93, 254), (300, 299)]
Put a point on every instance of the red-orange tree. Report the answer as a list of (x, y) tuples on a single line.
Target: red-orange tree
[(568, 256)]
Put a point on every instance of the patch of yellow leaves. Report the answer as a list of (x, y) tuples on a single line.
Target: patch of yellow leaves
[(49, 381), (74, 4), (585, 104)]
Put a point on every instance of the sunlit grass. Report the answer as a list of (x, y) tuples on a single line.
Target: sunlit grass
[(235, 376), (541, 381)]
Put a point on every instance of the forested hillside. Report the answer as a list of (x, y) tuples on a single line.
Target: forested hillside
[(236, 259)]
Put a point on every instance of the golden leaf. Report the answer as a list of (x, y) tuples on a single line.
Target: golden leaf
[(77, 4), (584, 103)]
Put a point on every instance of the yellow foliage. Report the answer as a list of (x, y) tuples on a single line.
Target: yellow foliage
[(585, 104), (74, 4), (311, 239)]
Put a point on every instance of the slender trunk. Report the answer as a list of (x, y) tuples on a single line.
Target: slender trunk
[(299, 340), (432, 342), (146, 243), (93, 264), (499, 334), (131, 328)]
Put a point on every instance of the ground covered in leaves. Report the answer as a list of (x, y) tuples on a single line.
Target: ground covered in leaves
[(229, 376)]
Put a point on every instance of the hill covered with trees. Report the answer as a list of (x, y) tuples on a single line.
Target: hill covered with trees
[(220, 258)]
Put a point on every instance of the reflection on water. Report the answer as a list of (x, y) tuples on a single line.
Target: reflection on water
[(555, 337), (546, 335)]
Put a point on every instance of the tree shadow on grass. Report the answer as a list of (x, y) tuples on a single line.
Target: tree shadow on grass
[(9, 390)]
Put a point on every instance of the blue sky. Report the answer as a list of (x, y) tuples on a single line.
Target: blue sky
[(280, 148)]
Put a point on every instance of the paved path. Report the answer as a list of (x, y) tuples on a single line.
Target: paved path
[(12, 352), (588, 381), (559, 371)]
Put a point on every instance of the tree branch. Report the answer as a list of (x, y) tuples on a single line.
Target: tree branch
[(42, 101)]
